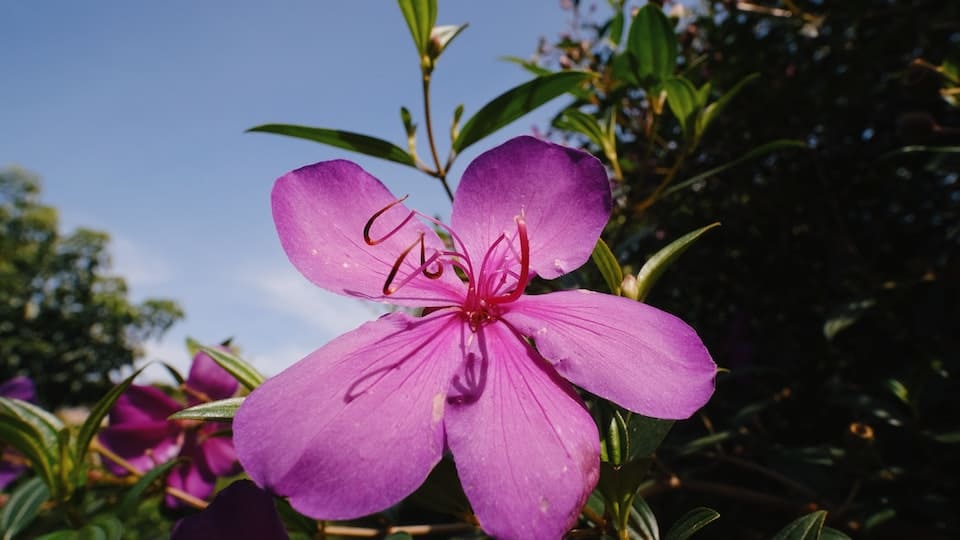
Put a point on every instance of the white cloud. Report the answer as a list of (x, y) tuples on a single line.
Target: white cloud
[(286, 291), (138, 265)]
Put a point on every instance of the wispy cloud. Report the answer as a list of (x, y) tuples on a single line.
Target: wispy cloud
[(286, 291), (140, 266)]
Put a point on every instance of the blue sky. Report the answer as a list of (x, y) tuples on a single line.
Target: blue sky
[(133, 114)]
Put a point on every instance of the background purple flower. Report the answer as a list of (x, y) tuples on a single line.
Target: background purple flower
[(21, 388), (241, 510), (140, 433), (330, 431)]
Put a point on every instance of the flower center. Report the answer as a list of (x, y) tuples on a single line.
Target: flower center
[(501, 278)]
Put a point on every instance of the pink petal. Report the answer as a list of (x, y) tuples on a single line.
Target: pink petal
[(526, 449), (191, 478), (635, 355), (144, 445), (355, 426), (219, 455), (208, 377), (19, 387), (563, 193), (141, 404), (320, 212)]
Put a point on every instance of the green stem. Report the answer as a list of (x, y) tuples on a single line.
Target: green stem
[(441, 172)]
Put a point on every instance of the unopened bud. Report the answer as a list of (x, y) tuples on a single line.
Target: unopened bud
[(629, 287)]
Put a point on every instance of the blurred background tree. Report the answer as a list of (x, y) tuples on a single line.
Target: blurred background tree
[(64, 321), (831, 291)]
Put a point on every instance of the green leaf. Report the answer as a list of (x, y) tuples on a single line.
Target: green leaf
[(47, 425), (644, 435), (515, 103), (832, 534), (363, 144), (683, 102), (442, 491), (420, 15), (128, 504), (243, 372), (214, 411), (193, 346), (652, 43), (581, 122), (616, 28), (97, 413), (691, 522), (532, 67), (711, 111), (846, 316), (807, 527), (22, 506), (661, 260), (24, 437), (773, 146), (101, 528), (608, 265), (644, 519)]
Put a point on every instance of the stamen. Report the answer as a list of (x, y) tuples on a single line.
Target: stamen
[(424, 268), (524, 264), (366, 228)]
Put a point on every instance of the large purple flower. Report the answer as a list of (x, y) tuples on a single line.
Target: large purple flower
[(11, 461), (358, 424), (140, 433)]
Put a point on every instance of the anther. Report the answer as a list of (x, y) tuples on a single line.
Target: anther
[(366, 228), (388, 286)]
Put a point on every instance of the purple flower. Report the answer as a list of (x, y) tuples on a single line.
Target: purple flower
[(140, 433), (358, 424), (11, 463), (241, 510)]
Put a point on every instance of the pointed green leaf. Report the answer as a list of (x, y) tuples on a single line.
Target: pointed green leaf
[(24, 437), (214, 411), (104, 527), (703, 94), (609, 267), (773, 146), (661, 260), (580, 122), (711, 111), (644, 435), (131, 498), (355, 142), (532, 67), (97, 413), (22, 506), (691, 522), (420, 15), (616, 28), (515, 103), (683, 102), (832, 534), (807, 527), (46, 425), (242, 371), (652, 43), (644, 519)]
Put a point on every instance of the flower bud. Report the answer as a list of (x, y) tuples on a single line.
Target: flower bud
[(629, 287)]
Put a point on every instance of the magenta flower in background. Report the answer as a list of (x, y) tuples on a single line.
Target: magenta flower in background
[(358, 424), (240, 510), (140, 432), (21, 388)]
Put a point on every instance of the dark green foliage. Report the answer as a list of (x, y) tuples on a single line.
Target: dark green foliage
[(832, 290), (64, 321)]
